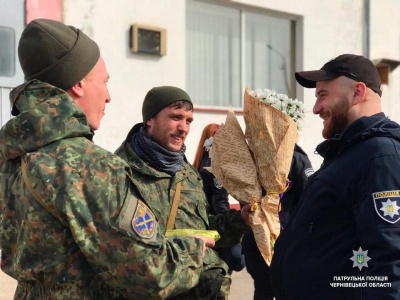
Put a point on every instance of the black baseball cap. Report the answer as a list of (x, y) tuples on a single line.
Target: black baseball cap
[(355, 67)]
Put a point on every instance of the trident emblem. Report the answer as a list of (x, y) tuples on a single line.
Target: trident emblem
[(360, 259)]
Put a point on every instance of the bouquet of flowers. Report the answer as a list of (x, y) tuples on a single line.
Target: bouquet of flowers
[(293, 108), (243, 163)]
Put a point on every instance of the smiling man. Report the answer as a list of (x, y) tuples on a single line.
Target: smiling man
[(343, 240), (155, 150), (72, 225)]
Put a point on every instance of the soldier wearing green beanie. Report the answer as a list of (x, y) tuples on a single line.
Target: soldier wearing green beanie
[(160, 97), (55, 53), (71, 221), (155, 150)]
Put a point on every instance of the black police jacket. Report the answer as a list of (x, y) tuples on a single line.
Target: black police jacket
[(343, 241), (300, 170), (217, 196)]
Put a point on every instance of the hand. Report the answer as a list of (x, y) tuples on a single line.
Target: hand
[(207, 242), (245, 213)]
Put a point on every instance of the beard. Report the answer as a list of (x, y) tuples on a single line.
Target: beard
[(339, 118)]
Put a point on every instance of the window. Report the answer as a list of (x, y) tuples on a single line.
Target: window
[(230, 48), (7, 50)]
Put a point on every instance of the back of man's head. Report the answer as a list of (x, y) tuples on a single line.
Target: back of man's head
[(53, 52)]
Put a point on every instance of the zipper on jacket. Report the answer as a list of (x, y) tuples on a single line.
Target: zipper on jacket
[(311, 227)]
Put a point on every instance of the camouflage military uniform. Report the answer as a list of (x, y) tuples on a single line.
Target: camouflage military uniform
[(158, 189), (90, 238)]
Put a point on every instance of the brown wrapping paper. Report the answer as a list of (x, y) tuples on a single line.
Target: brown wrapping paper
[(261, 157), (232, 163)]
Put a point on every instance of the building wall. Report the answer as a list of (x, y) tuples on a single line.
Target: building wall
[(325, 29), (132, 75), (385, 43), (11, 18)]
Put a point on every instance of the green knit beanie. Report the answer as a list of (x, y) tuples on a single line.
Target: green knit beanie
[(53, 52), (160, 97)]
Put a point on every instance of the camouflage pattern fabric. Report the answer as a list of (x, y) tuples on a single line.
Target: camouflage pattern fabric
[(158, 189), (90, 238)]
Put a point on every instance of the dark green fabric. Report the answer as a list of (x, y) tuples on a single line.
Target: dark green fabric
[(160, 97), (53, 52), (91, 250), (158, 190)]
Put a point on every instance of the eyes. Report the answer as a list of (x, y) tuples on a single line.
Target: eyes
[(320, 96), (178, 118)]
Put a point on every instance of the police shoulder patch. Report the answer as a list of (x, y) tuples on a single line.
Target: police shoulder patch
[(309, 172), (144, 221), (387, 205), (217, 184)]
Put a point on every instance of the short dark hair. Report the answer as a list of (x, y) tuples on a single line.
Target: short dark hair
[(182, 104)]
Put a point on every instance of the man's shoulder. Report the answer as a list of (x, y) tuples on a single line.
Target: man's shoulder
[(188, 167), (79, 152)]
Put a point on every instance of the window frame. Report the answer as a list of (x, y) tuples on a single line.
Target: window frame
[(295, 35)]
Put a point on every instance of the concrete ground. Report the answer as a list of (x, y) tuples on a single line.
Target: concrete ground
[(7, 287), (241, 289)]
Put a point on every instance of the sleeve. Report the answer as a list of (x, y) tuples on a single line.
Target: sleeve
[(375, 195), (117, 233), (228, 222), (300, 170), (230, 227), (219, 197)]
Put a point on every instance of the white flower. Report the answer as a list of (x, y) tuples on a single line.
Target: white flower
[(293, 108), (208, 142), (258, 93), (277, 105), (299, 124)]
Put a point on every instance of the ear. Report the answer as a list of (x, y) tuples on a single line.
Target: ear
[(360, 90), (78, 89)]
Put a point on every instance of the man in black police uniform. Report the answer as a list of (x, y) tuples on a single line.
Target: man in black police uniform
[(343, 242)]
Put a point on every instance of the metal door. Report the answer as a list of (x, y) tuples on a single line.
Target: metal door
[(12, 22)]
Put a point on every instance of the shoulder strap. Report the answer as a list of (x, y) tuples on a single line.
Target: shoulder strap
[(174, 208), (32, 190)]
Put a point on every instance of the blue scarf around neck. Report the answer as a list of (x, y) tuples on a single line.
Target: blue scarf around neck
[(158, 157)]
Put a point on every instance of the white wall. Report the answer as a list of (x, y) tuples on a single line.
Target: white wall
[(385, 43), (132, 75), (326, 29)]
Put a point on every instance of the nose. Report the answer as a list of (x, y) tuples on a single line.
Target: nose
[(184, 126), (317, 107), (108, 98)]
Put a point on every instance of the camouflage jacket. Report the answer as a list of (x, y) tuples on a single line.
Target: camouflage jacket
[(84, 234), (158, 189)]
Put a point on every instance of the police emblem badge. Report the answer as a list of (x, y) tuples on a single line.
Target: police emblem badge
[(143, 221), (360, 258), (387, 205)]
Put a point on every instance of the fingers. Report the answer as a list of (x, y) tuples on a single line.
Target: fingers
[(208, 242), (245, 213)]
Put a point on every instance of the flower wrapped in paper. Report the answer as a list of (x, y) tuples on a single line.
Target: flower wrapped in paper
[(243, 163)]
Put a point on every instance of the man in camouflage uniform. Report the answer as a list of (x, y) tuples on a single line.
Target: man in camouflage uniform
[(155, 151), (72, 225)]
